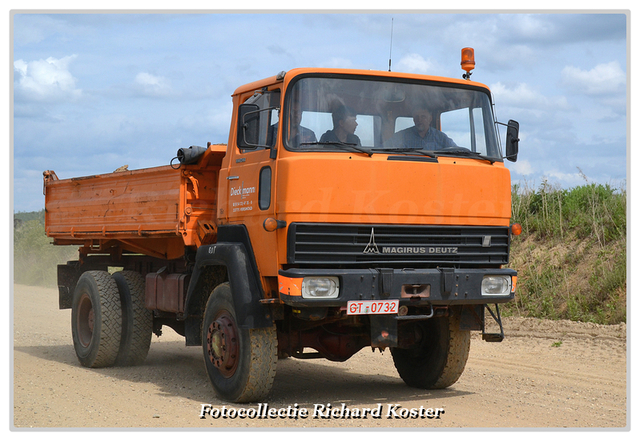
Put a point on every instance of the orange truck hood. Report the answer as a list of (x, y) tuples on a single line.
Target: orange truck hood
[(355, 188)]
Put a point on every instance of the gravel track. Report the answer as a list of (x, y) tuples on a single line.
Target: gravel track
[(545, 374)]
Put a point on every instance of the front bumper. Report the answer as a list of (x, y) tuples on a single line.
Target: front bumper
[(444, 286)]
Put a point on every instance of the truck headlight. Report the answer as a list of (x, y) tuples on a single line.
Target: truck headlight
[(320, 287), (496, 285)]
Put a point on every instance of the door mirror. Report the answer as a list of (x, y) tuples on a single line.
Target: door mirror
[(248, 126), (513, 129)]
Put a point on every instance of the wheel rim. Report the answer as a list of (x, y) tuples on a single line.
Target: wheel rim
[(222, 344), (85, 320)]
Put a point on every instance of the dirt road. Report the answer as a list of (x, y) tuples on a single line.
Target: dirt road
[(545, 374)]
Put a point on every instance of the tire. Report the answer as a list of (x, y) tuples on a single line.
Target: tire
[(241, 363), (137, 320), (439, 357), (96, 319)]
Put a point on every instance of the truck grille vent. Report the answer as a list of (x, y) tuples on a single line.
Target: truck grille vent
[(397, 245)]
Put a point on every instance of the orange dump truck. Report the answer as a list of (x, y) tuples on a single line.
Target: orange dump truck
[(349, 209)]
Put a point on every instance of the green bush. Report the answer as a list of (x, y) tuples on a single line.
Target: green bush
[(592, 210), (571, 257)]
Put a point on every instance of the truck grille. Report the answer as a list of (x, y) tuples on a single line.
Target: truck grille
[(397, 245)]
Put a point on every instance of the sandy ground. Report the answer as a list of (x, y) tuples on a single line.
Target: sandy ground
[(544, 375)]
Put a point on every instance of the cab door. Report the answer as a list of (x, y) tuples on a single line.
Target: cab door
[(250, 184)]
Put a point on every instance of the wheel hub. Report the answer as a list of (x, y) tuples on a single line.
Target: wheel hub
[(222, 345), (86, 321)]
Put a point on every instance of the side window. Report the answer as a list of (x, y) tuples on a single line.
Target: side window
[(319, 122), (264, 119), (274, 119), (368, 130), (403, 122), (466, 128), (264, 190), (456, 125)]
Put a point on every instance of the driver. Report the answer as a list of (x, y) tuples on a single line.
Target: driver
[(421, 135), (344, 126)]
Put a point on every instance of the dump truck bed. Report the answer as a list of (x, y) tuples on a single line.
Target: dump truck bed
[(155, 211)]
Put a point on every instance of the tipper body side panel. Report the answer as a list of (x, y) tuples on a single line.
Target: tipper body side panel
[(155, 211)]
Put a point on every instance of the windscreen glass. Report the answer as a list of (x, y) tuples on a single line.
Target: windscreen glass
[(379, 115)]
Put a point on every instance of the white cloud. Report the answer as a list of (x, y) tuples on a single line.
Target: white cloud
[(153, 85), (337, 62), (532, 26), (567, 179), (45, 80), (522, 91), (414, 63), (603, 79), (522, 167), (523, 96), (216, 118)]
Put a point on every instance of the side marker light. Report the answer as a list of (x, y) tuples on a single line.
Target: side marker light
[(271, 224)]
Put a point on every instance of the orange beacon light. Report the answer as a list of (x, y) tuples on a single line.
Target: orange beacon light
[(468, 61)]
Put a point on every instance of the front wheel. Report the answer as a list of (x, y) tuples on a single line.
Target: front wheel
[(241, 363), (438, 358)]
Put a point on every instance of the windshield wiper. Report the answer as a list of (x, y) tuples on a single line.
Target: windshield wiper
[(465, 152), (340, 144), (406, 150)]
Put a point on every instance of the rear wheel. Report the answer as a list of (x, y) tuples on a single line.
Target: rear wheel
[(137, 321), (241, 363), (96, 319), (438, 358)]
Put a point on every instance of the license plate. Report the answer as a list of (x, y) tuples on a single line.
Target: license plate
[(365, 307)]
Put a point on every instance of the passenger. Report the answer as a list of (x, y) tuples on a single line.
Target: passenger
[(344, 126), (421, 135)]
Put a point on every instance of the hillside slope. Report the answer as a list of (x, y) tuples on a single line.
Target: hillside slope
[(572, 256)]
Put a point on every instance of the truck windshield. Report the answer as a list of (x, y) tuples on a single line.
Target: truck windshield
[(380, 115)]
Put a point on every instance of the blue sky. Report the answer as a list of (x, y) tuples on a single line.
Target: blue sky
[(93, 92)]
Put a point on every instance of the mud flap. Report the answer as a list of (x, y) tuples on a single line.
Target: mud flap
[(68, 276), (472, 318)]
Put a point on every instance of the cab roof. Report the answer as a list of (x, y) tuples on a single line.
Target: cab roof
[(291, 74)]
